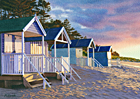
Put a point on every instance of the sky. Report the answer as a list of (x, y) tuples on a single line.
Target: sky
[(108, 22)]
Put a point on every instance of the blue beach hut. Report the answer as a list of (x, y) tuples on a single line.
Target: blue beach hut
[(102, 54), (76, 51)]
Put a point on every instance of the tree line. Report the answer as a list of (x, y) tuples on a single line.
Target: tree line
[(10, 9)]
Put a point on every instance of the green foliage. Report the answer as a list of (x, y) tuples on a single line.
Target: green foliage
[(84, 53), (53, 23), (115, 53), (114, 57), (73, 34), (16, 8), (85, 37), (24, 8), (42, 8), (126, 59)]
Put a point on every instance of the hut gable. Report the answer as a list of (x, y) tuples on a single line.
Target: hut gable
[(80, 43), (101, 49)]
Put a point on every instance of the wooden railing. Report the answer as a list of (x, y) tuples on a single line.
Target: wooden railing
[(44, 80), (81, 61), (70, 68), (84, 62), (11, 63), (64, 61), (97, 63), (114, 62), (36, 60), (48, 60)]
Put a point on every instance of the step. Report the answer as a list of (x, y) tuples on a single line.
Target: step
[(31, 76), (50, 74), (37, 79), (32, 80), (27, 75), (38, 85)]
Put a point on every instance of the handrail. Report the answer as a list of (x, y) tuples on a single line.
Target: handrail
[(34, 54), (38, 73), (96, 61), (72, 68), (11, 53), (100, 65), (66, 70), (56, 69), (116, 61)]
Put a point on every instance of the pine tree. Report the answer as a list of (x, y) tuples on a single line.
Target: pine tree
[(17, 8), (67, 26), (42, 10), (53, 24), (85, 37), (76, 35), (0, 9), (23, 8)]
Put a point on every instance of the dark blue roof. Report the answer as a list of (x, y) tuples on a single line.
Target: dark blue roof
[(101, 49), (51, 34), (75, 43)]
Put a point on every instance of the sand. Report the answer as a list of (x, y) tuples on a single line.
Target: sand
[(96, 83)]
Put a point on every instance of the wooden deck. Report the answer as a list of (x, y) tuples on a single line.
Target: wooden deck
[(29, 80), (7, 81)]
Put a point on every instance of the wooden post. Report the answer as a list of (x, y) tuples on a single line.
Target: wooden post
[(69, 53), (69, 61), (62, 63), (22, 53), (43, 53), (62, 37), (44, 84), (1, 59), (93, 57), (87, 56), (64, 74), (63, 80), (55, 54)]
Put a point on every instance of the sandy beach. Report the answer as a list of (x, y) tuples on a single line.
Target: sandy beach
[(96, 83)]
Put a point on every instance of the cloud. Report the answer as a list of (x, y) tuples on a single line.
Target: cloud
[(83, 27), (53, 16), (57, 8), (64, 15), (108, 22)]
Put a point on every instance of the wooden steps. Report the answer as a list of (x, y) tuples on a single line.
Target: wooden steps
[(38, 85), (33, 80)]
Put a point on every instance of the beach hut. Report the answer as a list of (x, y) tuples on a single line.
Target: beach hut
[(19, 63), (76, 51), (102, 54), (54, 36)]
